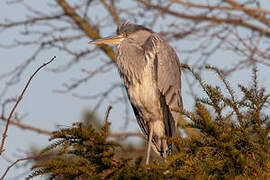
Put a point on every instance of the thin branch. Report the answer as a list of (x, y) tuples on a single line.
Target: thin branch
[(46, 132), (86, 27), (124, 134), (251, 13), (27, 127), (31, 21), (111, 8), (107, 114), (236, 8), (14, 163), (22, 159), (232, 21), (18, 101)]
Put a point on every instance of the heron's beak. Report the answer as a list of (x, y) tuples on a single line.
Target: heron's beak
[(108, 40)]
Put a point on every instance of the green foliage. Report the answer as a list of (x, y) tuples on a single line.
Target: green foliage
[(84, 153), (81, 152), (233, 143)]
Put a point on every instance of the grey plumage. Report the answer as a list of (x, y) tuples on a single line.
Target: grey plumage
[(150, 71)]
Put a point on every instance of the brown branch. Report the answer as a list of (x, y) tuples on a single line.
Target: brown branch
[(238, 8), (27, 127), (86, 27), (111, 8), (124, 134), (22, 159), (13, 164), (251, 13), (107, 114), (46, 132), (30, 21), (235, 22), (18, 101)]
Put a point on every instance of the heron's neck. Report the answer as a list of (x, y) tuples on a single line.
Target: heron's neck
[(130, 62)]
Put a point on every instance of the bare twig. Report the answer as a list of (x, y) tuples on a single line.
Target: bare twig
[(46, 132), (27, 127), (85, 26), (197, 18), (21, 159), (111, 8), (13, 164), (107, 114), (235, 8), (30, 21), (18, 101), (125, 134), (250, 12)]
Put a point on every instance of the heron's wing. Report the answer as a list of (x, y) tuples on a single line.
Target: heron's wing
[(168, 79), (142, 123), (140, 120)]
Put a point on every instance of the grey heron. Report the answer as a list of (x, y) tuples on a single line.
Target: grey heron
[(150, 70)]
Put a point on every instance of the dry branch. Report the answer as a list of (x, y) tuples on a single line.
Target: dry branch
[(46, 132), (85, 26), (201, 18), (18, 101), (235, 8), (27, 127), (19, 160), (30, 21), (111, 8), (13, 164), (250, 12)]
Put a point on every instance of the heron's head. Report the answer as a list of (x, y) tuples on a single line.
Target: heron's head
[(126, 32)]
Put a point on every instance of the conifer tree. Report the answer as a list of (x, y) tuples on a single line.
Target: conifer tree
[(232, 143)]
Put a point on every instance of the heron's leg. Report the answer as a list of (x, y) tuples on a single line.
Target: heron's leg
[(149, 142), (164, 154)]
